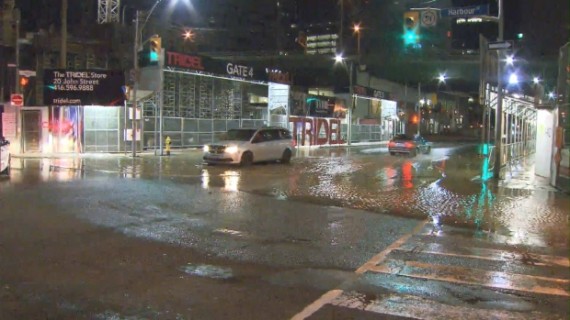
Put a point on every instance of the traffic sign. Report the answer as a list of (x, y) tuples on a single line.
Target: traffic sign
[(501, 45), (429, 18), (17, 100), (465, 11)]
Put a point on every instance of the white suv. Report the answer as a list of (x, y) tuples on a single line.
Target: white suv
[(246, 146), (4, 156)]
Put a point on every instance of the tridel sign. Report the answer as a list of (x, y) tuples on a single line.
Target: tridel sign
[(17, 100)]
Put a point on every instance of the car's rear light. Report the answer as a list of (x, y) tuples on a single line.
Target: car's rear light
[(409, 145), (391, 144)]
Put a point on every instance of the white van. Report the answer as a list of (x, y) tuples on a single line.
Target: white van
[(246, 146)]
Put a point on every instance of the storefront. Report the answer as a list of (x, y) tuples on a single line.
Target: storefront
[(375, 116), (82, 114), (202, 98)]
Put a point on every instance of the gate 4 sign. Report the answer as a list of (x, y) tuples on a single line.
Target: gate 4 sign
[(429, 18), (17, 100)]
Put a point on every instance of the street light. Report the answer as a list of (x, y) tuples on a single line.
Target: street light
[(188, 35), (510, 60), (138, 35), (338, 58), (441, 78), (536, 80), (513, 79), (357, 29)]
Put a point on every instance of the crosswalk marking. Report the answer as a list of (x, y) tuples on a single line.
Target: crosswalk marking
[(382, 255), (409, 306), (486, 254), (479, 277), (394, 261)]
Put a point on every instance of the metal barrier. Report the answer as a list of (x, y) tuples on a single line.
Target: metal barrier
[(515, 151)]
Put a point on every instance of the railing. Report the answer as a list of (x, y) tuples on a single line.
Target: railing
[(515, 151)]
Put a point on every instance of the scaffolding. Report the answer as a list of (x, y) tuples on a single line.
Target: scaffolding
[(108, 11)]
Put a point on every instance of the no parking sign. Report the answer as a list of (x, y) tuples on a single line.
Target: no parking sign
[(429, 18)]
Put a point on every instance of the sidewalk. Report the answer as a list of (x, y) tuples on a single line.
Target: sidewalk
[(521, 175)]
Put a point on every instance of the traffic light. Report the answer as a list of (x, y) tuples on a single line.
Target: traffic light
[(24, 81), (155, 48), (411, 28)]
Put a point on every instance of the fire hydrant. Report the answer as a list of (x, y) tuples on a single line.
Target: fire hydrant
[(167, 143)]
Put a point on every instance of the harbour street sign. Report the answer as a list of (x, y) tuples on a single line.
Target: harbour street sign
[(461, 12), (501, 45)]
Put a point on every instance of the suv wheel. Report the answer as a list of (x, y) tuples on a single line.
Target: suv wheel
[(246, 159), (286, 157)]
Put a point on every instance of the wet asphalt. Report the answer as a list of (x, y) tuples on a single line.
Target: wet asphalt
[(270, 239)]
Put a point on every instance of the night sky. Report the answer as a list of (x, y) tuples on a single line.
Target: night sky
[(546, 22)]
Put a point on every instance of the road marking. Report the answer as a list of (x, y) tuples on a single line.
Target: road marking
[(477, 277), (409, 306), (332, 294), (377, 259), (318, 304), (487, 254)]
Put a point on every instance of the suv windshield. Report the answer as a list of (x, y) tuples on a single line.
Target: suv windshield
[(240, 134)]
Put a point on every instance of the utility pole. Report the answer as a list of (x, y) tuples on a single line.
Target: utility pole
[(499, 109), (419, 107), (63, 49), (341, 29), (136, 84)]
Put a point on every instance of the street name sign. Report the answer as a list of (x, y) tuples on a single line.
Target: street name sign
[(465, 11), (501, 45)]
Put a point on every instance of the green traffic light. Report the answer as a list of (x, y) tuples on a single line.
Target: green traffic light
[(153, 56), (410, 37), (520, 36)]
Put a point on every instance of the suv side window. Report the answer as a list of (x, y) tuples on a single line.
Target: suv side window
[(270, 135), (285, 134)]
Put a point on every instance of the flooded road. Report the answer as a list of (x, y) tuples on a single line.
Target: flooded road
[(423, 231), (443, 185)]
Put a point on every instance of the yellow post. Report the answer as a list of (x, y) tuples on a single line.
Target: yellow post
[(167, 145)]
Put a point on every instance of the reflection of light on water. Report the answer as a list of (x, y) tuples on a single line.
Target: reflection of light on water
[(231, 180), (407, 176), (132, 171), (205, 179), (229, 177), (61, 169), (532, 219)]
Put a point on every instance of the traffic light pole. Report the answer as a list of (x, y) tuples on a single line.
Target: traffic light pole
[(17, 47), (160, 102), (499, 109)]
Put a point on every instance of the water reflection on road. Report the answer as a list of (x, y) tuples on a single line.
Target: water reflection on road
[(440, 185)]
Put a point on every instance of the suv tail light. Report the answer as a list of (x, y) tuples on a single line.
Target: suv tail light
[(409, 145), (391, 144)]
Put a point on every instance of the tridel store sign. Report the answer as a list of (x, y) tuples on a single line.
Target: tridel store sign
[(219, 67)]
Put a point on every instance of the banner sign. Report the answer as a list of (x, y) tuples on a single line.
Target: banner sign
[(83, 87), (278, 97), (470, 11), (370, 92), (230, 69)]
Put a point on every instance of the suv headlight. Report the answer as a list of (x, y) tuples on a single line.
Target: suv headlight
[(232, 149), (206, 148)]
